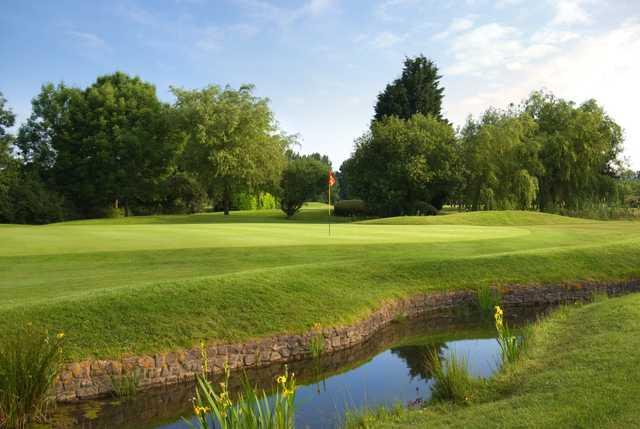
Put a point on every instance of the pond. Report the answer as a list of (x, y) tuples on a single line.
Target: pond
[(388, 369)]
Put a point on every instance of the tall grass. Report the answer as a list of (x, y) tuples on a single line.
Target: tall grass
[(249, 409), (368, 418), (510, 345), (487, 298), (29, 363), (126, 385), (453, 381)]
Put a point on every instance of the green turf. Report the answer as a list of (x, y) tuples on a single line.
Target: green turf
[(146, 284), (490, 218), (580, 371)]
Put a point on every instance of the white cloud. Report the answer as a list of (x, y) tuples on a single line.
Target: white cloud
[(458, 25), (210, 39), (283, 16), (385, 39), (604, 67), (570, 12), (89, 40)]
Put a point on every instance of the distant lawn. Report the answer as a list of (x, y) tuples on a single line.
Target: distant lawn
[(146, 284), (581, 371), (487, 218)]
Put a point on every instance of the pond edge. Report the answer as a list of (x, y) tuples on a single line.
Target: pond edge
[(90, 379)]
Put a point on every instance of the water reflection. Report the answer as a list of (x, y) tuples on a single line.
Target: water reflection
[(388, 368)]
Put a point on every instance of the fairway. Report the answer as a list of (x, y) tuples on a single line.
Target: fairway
[(144, 284)]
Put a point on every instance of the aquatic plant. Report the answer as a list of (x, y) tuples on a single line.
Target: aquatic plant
[(249, 409), (126, 385), (510, 345), (453, 381), (316, 343), (366, 418), (487, 299), (29, 363)]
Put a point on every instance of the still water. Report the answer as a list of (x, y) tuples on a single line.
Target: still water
[(388, 369)]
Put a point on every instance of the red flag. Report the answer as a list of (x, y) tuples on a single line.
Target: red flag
[(332, 179)]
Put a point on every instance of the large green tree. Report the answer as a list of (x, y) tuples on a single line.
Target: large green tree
[(417, 90), (580, 151), (112, 143), (401, 165), (8, 166), (499, 156), (233, 143)]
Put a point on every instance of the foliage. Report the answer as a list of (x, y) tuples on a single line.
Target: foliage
[(351, 208), (510, 345), (302, 179), (184, 194), (233, 145), (452, 380), (369, 418), (404, 162), (112, 142), (126, 385), (316, 342), (488, 298), (417, 90), (29, 362), (249, 410), (499, 155), (28, 200)]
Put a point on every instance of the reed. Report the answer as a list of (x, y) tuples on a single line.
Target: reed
[(29, 363)]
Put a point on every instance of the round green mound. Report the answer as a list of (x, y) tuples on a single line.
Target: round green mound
[(486, 218)]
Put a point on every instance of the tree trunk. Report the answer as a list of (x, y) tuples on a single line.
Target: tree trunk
[(226, 201)]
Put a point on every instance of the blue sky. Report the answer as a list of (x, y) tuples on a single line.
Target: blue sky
[(322, 62)]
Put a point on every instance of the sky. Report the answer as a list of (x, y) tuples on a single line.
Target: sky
[(323, 62)]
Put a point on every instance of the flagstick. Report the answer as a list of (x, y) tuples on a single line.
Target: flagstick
[(329, 208)]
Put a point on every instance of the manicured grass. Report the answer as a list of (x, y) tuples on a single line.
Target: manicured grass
[(141, 285), (580, 370), (490, 218)]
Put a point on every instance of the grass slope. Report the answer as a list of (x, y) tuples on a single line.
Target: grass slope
[(132, 286), (580, 371), (486, 218)]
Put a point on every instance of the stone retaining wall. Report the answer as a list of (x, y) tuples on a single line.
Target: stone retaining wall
[(93, 378)]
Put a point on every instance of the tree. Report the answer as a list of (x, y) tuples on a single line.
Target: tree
[(580, 147), (8, 166), (499, 154), (403, 164), (233, 145), (417, 90), (303, 178), (112, 143)]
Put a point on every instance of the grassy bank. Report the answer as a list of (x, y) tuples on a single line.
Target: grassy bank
[(580, 370), (141, 285)]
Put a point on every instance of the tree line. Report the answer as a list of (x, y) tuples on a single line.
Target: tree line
[(114, 148), (544, 154)]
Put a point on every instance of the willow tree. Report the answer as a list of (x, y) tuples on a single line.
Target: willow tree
[(233, 144)]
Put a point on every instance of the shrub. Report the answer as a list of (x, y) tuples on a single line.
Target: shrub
[(29, 362), (351, 208), (425, 209), (453, 382), (184, 195)]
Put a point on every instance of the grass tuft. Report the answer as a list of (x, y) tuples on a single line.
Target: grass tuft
[(29, 362), (453, 381), (368, 418)]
